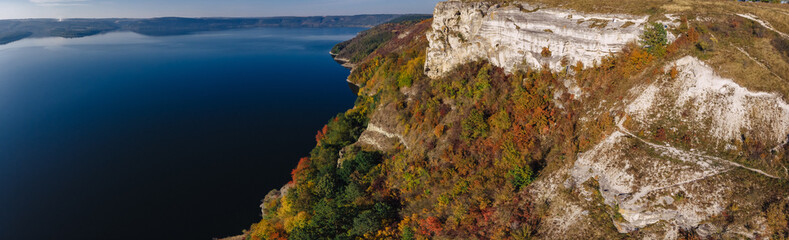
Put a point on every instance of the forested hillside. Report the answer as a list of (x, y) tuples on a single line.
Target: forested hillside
[(679, 134)]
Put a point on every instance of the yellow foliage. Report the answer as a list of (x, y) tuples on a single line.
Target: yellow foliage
[(264, 230), (285, 209), (438, 130), (300, 220), (386, 233)]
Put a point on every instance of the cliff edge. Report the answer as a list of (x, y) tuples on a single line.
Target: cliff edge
[(551, 119)]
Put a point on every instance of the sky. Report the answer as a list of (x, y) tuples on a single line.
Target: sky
[(16, 9)]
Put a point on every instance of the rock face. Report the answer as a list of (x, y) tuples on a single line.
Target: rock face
[(718, 107), (514, 36), (273, 195), (382, 132), (662, 186), (647, 181)]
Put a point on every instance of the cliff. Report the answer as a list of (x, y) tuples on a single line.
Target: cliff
[(553, 119), (515, 35)]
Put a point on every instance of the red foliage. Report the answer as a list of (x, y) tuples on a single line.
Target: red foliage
[(321, 134), (430, 226), (303, 164), (691, 36)]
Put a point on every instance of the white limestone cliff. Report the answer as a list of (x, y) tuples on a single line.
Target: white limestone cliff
[(647, 183), (514, 36)]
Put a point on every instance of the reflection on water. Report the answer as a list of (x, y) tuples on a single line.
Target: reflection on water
[(124, 136)]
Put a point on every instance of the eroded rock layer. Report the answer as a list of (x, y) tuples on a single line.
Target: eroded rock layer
[(520, 35)]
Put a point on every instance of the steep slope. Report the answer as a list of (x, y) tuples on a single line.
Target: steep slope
[(353, 51), (480, 124)]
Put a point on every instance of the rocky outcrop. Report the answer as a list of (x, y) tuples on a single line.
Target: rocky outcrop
[(663, 186), (383, 132), (712, 106), (380, 139), (514, 35), (274, 195), (647, 181)]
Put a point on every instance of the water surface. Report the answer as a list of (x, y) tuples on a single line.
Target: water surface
[(124, 136)]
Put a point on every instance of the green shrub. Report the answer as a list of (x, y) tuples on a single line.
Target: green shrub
[(361, 163), (474, 126), (404, 80), (655, 39), (407, 234), (521, 177), (366, 222)]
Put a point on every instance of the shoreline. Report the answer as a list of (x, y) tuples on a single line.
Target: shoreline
[(343, 61), (346, 63)]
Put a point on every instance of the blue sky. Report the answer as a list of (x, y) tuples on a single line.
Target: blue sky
[(12, 9)]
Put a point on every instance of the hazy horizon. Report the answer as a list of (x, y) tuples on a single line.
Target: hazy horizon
[(197, 17), (68, 9)]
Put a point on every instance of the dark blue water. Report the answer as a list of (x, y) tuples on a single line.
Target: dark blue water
[(123, 136)]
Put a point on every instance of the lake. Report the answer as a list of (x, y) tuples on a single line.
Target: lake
[(125, 136)]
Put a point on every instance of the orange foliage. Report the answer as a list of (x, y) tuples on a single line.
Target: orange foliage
[(546, 52), (303, 164), (265, 230), (430, 225), (637, 59), (438, 130), (689, 37), (321, 134)]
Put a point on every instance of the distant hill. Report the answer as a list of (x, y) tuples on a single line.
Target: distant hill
[(15, 30), (353, 51)]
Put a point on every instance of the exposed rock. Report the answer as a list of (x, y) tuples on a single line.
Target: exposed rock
[(648, 184), (383, 131), (514, 36), (380, 139), (272, 195), (701, 100), (763, 23), (642, 181), (651, 182)]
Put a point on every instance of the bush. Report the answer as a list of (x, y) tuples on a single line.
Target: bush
[(361, 163), (546, 52), (404, 80), (655, 39), (521, 177), (366, 222), (474, 126)]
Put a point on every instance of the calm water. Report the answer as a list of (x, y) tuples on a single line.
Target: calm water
[(123, 136)]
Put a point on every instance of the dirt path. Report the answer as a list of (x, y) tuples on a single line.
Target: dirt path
[(680, 151)]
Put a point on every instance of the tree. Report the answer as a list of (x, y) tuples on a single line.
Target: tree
[(474, 126), (366, 222), (655, 39)]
